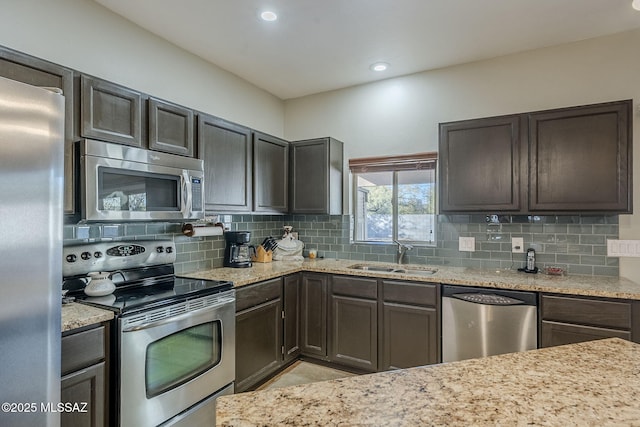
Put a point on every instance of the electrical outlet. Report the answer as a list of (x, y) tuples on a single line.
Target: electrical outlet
[(623, 248), (517, 245), (467, 244)]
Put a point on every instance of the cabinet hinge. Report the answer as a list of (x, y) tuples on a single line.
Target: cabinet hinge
[(282, 350), (283, 314)]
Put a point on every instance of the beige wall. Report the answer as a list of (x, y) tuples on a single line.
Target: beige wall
[(83, 35), (401, 115)]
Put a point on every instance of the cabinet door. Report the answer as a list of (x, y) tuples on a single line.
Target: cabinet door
[(409, 336), (480, 165), (556, 333), (291, 317), (85, 386), (316, 176), (580, 159), (258, 343), (110, 112), (354, 332), (313, 301), (310, 177), (170, 128), (271, 174), (226, 150), (27, 69)]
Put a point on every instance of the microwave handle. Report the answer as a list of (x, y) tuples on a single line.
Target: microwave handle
[(186, 194)]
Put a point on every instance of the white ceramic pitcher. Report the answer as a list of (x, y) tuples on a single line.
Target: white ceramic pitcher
[(99, 284)]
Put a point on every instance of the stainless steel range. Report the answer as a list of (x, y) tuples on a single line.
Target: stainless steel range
[(174, 351)]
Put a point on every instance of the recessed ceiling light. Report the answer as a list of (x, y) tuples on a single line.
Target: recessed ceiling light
[(267, 15), (379, 66), (635, 4)]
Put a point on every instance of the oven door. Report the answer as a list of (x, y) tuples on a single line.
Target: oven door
[(168, 363), (119, 190)]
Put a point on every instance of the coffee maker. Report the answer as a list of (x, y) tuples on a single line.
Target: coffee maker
[(238, 252)]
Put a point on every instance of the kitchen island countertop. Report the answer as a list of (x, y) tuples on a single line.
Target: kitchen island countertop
[(597, 286), (595, 383)]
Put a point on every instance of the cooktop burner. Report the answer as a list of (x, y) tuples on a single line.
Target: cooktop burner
[(168, 291)]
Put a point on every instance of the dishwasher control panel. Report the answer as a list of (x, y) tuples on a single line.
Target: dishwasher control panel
[(488, 299)]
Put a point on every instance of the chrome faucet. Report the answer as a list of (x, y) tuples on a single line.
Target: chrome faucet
[(402, 250)]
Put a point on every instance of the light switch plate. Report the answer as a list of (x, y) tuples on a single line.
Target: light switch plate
[(467, 244), (517, 245)]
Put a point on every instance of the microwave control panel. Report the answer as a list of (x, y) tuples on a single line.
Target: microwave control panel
[(196, 194)]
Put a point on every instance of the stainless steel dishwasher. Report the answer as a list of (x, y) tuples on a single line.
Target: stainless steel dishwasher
[(478, 322)]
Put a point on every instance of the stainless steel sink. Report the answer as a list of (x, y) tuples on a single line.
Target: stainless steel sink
[(400, 270), (372, 268), (418, 271)]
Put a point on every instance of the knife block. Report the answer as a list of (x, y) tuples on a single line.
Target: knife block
[(262, 255)]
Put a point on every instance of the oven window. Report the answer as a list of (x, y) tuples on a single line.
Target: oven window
[(125, 190), (177, 358)]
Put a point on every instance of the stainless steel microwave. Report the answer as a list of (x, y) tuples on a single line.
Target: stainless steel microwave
[(121, 183)]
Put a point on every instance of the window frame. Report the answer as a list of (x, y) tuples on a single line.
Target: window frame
[(393, 164)]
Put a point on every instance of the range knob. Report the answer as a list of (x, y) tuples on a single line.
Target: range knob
[(159, 249), (169, 249), (85, 255), (71, 258), (97, 254)]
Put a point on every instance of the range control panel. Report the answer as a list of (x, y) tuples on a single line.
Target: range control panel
[(111, 256)]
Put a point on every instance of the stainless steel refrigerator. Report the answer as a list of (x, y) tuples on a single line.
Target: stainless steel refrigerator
[(31, 215)]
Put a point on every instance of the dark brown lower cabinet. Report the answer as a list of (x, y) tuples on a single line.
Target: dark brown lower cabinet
[(313, 313), (84, 366), (86, 386), (410, 336), (568, 320), (354, 332), (556, 333), (258, 332), (410, 324), (353, 321), (291, 339)]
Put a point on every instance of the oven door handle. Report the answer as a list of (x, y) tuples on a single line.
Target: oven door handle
[(192, 315)]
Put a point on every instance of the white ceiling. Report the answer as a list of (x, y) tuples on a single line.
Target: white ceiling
[(320, 45)]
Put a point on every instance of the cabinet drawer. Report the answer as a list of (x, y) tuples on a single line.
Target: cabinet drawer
[(355, 287), (608, 314), (258, 293), (410, 293), (82, 349)]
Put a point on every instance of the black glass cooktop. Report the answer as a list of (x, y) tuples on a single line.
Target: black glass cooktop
[(157, 294)]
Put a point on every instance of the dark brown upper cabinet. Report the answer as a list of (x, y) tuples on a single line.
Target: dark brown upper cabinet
[(171, 128), (225, 148), (561, 161), (480, 165), (270, 174), (316, 176), (37, 72), (109, 112), (580, 159)]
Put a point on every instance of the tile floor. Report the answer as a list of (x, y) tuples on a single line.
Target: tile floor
[(302, 373)]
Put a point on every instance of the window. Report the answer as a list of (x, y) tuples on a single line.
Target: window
[(394, 198)]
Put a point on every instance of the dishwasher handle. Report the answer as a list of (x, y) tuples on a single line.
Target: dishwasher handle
[(487, 299)]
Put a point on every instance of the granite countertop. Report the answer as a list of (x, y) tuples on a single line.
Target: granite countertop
[(599, 286), (78, 315), (596, 383)]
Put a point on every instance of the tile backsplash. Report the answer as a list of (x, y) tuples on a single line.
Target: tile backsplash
[(577, 243)]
